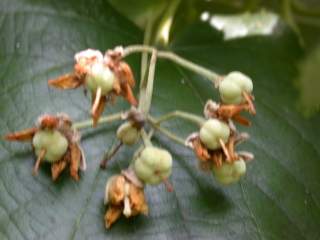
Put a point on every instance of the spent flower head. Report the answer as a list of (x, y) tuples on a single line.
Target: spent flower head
[(54, 141)]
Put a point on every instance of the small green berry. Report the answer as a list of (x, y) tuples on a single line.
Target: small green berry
[(153, 165), (230, 173), (53, 142), (128, 134), (212, 131), (100, 76), (233, 85)]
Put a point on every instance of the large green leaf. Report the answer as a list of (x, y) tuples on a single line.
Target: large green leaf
[(278, 199)]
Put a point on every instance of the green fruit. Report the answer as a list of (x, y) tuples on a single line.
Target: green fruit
[(212, 131), (128, 134), (233, 85), (100, 76), (53, 142), (153, 165), (230, 172)]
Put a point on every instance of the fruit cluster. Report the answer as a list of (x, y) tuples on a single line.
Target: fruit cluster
[(55, 139), (215, 142)]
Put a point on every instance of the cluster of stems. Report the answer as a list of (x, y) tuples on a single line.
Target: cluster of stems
[(146, 92)]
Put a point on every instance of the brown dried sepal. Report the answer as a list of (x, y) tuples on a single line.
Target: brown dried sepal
[(209, 158), (24, 135), (67, 81), (118, 197), (124, 76), (63, 124), (225, 112)]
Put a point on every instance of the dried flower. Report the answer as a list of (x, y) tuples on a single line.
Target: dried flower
[(225, 153), (227, 112), (123, 195), (56, 142), (106, 77)]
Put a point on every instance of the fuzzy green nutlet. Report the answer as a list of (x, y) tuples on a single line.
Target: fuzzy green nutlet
[(128, 134), (100, 76), (230, 173), (212, 131), (53, 142), (232, 87), (153, 165)]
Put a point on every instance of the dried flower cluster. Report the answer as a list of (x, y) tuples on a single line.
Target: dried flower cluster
[(55, 139)]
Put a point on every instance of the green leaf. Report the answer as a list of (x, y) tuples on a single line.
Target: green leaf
[(278, 199), (309, 84)]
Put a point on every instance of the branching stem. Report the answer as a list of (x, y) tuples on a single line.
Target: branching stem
[(210, 75)]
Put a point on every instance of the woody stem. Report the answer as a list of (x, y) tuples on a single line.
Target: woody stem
[(209, 74), (110, 153)]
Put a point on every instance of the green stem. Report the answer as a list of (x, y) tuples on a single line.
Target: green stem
[(146, 138), (289, 17), (210, 75), (146, 93), (163, 32), (183, 115), (301, 8), (166, 132), (144, 56), (105, 119)]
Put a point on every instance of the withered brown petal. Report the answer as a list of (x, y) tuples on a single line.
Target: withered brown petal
[(116, 190), (128, 95), (137, 200), (75, 160), (200, 150), (126, 74), (112, 215), (24, 135), (67, 81), (242, 120), (230, 147), (227, 111), (217, 158), (57, 168), (116, 86), (96, 113)]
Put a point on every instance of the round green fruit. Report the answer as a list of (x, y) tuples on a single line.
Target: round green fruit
[(230, 173), (232, 87), (100, 76), (128, 134), (53, 142), (153, 165), (212, 131)]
